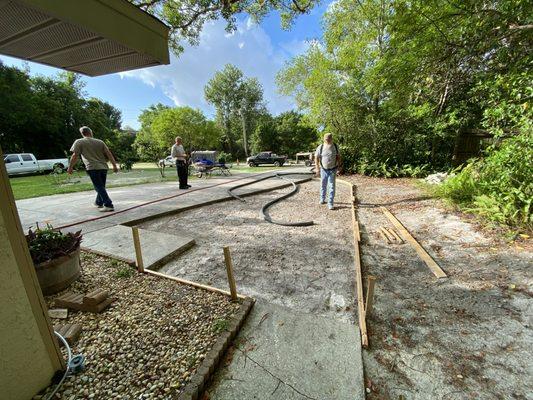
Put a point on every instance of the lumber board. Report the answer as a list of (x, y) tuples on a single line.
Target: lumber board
[(393, 233), (191, 283), (424, 255), (386, 235), (359, 279)]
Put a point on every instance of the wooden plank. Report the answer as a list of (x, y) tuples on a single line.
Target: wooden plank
[(190, 283), (393, 233), (359, 278), (386, 234), (138, 251), (229, 270), (371, 280), (430, 262)]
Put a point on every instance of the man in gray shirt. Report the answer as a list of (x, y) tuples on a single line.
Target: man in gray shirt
[(180, 157), (327, 160), (95, 155)]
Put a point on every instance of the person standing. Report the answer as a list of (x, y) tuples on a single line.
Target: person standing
[(327, 161), (180, 157), (95, 155)]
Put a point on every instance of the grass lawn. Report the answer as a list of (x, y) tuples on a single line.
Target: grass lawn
[(25, 187)]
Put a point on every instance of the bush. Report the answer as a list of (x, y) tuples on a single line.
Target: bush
[(499, 186), (48, 244)]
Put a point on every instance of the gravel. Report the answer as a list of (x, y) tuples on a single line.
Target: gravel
[(148, 343)]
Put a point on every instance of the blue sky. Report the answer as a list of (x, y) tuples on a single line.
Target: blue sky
[(259, 50)]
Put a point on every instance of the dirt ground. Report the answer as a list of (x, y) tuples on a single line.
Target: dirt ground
[(305, 268), (467, 336)]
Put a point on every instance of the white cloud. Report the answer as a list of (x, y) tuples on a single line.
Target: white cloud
[(184, 79)]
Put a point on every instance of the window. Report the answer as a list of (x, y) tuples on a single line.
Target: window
[(12, 158), (26, 157)]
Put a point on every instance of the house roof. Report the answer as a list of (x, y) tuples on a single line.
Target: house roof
[(91, 37)]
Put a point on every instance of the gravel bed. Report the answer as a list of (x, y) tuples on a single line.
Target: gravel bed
[(149, 342)]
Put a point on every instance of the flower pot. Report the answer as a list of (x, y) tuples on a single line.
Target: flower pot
[(57, 274)]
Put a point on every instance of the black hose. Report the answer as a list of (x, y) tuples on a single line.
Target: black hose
[(272, 202), (264, 178), (267, 217)]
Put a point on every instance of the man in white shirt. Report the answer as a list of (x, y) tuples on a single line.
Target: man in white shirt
[(327, 160), (180, 157)]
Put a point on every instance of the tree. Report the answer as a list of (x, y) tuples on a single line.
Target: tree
[(397, 81), (195, 130), (233, 95), (187, 17), (42, 115)]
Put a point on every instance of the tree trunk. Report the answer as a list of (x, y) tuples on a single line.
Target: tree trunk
[(245, 144)]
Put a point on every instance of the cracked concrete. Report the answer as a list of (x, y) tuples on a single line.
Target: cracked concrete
[(286, 355)]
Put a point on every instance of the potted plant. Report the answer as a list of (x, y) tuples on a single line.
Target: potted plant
[(56, 257)]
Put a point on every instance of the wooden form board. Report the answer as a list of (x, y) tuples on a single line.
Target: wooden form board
[(430, 262), (361, 313), (186, 282)]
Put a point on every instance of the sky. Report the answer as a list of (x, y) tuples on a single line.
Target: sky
[(258, 50)]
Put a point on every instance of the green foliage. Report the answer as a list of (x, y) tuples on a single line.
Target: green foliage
[(195, 130), (42, 115), (220, 325), (286, 134), (499, 186), (124, 272), (48, 244), (397, 81), (187, 17)]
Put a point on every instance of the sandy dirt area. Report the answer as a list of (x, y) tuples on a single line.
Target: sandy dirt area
[(467, 336), (305, 268)]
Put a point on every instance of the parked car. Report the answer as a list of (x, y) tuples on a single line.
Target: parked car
[(266, 157), (26, 163), (167, 162)]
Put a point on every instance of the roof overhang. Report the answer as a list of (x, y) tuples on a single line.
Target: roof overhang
[(92, 37)]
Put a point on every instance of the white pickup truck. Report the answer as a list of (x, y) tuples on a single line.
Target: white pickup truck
[(26, 163)]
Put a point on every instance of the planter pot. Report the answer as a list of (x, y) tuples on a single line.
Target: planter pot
[(56, 275)]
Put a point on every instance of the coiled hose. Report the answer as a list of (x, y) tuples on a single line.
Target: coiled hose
[(264, 209)]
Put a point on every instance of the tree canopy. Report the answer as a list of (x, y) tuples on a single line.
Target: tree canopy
[(42, 115), (236, 98), (398, 81), (186, 18)]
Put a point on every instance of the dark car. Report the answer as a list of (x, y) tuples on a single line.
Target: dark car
[(266, 157)]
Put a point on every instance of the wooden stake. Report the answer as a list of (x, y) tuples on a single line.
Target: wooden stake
[(430, 262), (138, 251), (229, 270), (369, 294)]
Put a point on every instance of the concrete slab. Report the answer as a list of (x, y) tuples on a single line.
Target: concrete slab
[(285, 355), (66, 209), (117, 242)]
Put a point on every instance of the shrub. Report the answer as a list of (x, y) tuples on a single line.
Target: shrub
[(499, 186), (48, 244)]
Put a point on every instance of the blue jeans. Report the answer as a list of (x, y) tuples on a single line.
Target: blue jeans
[(98, 178), (327, 178)]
